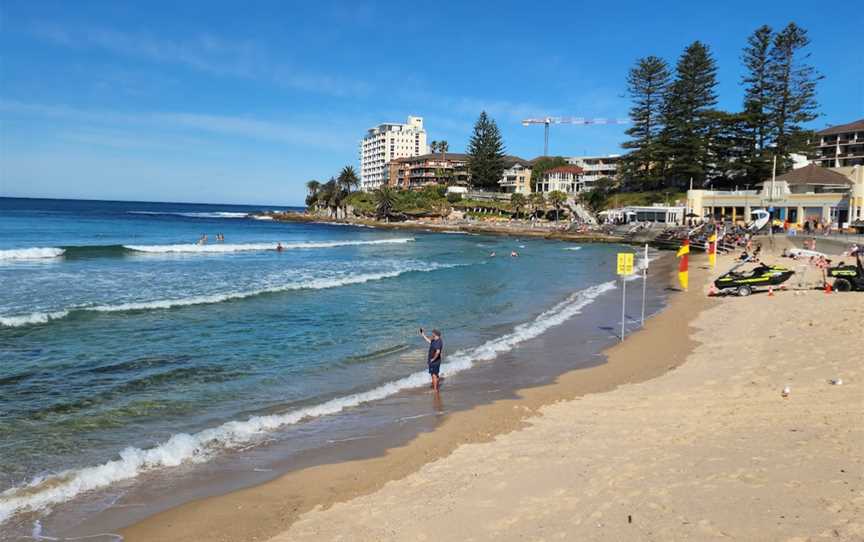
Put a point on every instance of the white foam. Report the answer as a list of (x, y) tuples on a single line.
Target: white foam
[(222, 247), (31, 319), (34, 253), (215, 214), (45, 491), (572, 248), (313, 284)]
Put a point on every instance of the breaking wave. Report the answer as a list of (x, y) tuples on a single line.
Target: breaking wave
[(34, 253), (313, 284), (48, 490)]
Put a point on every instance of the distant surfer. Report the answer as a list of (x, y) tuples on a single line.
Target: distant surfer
[(279, 247), (433, 359)]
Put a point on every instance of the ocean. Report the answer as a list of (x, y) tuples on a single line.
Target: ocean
[(130, 355)]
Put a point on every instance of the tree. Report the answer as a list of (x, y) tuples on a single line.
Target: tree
[(597, 198), (518, 201), (757, 62), (537, 201), (686, 117), (486, 154), (731, 143), (385, 199), (791, 90), (331, 195), (348, 179), (647, 85), (541, 166), (312, 187), (557, 199)]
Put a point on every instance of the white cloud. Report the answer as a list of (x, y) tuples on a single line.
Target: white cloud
[(204, 53), (299, 133)]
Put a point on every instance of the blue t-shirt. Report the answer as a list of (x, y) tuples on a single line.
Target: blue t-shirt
[(436, 344)]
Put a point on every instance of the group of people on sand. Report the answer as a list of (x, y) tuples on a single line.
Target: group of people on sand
[(220, 238)]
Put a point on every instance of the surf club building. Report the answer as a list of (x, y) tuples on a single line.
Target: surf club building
[(828, 196)]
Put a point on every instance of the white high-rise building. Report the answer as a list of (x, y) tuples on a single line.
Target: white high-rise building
[(387, 142)]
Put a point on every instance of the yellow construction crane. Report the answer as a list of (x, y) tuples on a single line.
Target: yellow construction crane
[(546, 121)]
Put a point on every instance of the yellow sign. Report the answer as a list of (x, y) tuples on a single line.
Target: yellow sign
[(625, 263)]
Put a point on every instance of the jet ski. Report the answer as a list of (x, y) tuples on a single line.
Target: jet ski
[(744, 282), (848, 277)]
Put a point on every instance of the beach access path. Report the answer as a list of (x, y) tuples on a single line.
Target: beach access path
[(707, 451)]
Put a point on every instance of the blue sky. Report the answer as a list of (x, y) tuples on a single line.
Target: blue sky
[(243, 102)]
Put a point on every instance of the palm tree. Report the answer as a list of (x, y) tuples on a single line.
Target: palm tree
[(348, 178), (518, 202), (313, 187), (331, 196), (557, 199), (538, 201), (385, 199)]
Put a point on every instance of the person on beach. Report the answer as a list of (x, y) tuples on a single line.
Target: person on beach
[(433, 359)]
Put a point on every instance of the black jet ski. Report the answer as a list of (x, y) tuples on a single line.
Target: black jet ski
[(848, 278), (744, 282)]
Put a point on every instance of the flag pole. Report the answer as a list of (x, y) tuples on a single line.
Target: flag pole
[(644, 282)]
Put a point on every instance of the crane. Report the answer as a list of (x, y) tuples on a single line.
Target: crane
[(546, 121)]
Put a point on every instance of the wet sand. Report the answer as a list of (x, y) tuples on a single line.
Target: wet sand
[(263, 511)]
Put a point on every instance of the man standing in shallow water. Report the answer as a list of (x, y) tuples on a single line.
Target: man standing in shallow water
[(433, 360)]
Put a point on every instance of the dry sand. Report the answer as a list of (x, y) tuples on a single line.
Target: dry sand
[(707, 450)]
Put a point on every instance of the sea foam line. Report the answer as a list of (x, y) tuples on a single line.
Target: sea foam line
[(219, 247), (44, 491), (314, 284), (33, 253)]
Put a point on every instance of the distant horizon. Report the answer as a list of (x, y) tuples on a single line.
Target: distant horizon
[(152, 201)]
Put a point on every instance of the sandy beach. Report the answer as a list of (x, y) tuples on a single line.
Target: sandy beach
[(690, 442)]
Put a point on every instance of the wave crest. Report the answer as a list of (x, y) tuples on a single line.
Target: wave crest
[(33, 253)]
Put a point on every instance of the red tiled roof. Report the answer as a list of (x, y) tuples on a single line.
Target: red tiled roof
[(575, 170)]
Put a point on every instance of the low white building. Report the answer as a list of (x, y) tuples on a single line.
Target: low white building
[(663, 214), (387, 142), (567, 179)]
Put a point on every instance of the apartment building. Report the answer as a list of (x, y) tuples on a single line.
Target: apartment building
[(516, 178), (567, 179), (841, 146), (415, 172), (387, 142), (596, 168)]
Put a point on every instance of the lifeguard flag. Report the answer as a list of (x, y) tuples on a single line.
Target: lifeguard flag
[(712, 249), (683, 274)]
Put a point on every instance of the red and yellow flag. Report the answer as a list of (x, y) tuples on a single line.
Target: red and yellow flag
[(712, 249), (683, 274)]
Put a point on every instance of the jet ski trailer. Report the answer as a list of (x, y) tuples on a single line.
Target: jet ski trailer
[(745, 283)]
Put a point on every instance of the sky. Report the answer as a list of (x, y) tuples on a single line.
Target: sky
[(243, 102)]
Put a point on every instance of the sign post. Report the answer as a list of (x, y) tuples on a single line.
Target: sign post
[(625, 269), (644, 282)]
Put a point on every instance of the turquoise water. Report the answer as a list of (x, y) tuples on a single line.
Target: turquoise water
[(125, 348)]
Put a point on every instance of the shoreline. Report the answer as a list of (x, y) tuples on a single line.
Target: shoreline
[(511, 229), (265, 510)]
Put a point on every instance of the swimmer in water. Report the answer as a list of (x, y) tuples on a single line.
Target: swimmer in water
[(279, 247), (514, 254)]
